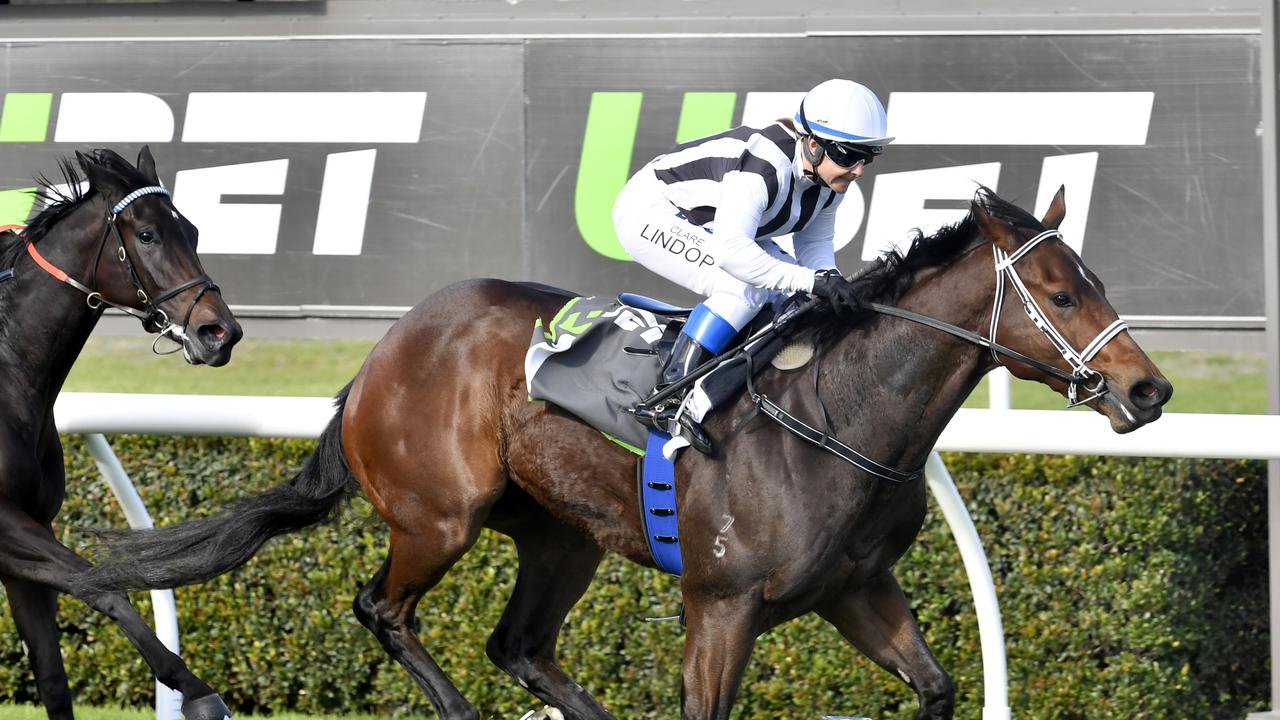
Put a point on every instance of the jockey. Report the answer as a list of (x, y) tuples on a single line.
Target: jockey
[(704, 214)]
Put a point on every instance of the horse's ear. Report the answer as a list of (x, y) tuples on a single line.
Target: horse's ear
[(147, 165), (1057, 209), (99, 176), (995, 229)]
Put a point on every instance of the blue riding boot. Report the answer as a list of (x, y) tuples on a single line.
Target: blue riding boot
[(704, 335)]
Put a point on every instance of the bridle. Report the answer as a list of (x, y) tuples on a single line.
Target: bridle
[(154, 319), (1081, 374)]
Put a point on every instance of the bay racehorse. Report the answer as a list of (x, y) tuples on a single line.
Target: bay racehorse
[(439, 432), (119, 243)]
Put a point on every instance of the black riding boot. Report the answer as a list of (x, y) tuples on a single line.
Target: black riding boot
[(686, 355)]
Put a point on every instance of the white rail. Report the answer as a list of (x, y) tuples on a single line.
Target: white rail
[(1079, 432), (996, 431)]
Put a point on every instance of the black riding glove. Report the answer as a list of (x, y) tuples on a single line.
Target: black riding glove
[(835, 289)]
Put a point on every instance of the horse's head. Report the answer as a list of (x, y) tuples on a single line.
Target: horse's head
[(147, 260), (1052, 308)]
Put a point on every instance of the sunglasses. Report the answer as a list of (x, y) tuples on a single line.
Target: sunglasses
[(847, 155)]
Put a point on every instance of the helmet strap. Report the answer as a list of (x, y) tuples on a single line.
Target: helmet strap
[(813, 156)]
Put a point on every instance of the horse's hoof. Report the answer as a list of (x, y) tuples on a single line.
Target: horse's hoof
[(209, 707)]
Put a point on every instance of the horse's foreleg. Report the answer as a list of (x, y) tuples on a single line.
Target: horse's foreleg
[(386, 605), (876, 619), (35, 613), (30, 552), (556, 566), (719, 637)]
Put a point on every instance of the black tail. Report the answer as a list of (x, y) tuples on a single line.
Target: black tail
[(199, 550)]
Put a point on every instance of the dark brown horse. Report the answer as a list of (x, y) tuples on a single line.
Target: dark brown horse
[(438, 430), (119, 243)]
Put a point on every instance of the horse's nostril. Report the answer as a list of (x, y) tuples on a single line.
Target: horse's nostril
[(211, 334), (1146, 394)]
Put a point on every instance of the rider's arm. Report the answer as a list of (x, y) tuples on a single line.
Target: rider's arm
[(742, 202), (814, 244)]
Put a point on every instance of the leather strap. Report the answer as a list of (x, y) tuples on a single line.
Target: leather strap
[(800, 428), (656, 476)]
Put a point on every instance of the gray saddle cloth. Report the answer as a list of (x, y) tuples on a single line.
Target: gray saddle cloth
[(596, 359)]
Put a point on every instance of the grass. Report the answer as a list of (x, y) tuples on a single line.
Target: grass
[(317, 368), (35, 712), (1203, 382)]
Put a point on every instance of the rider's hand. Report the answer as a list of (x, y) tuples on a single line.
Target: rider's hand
[(835, 289)]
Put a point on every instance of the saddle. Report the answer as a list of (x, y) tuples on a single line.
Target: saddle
[(599, 357)]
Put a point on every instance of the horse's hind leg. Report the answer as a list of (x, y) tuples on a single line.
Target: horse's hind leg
[(387, 603), (875, 617), (556, 566), (35, 613)]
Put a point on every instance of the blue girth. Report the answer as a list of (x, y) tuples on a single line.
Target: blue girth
[(657, 478)]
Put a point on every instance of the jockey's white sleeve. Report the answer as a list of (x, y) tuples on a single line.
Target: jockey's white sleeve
[(814, 244), (742, 203)]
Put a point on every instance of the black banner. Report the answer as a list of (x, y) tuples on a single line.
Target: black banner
[(365, 174)]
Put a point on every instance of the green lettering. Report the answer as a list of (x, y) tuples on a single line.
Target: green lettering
[(25, 117), (605, 167), (15, 205), (705, 113)]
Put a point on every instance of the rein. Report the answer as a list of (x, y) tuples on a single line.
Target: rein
[(153, 318), (972, 337)]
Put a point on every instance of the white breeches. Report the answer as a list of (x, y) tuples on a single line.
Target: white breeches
[(653, 232)]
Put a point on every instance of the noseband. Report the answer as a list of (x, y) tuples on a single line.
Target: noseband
[(1081, 374), (154, 319)]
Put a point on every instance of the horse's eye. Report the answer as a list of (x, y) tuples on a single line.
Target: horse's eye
[(1062, 300), (146, 237)]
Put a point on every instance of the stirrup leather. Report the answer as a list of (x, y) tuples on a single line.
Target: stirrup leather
[(666, 416)]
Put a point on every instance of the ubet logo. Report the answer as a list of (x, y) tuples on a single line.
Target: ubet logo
[(897, 204), (234, 117), (898, 201)]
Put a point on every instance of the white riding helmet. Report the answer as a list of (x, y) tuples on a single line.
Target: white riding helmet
[(843, 111)]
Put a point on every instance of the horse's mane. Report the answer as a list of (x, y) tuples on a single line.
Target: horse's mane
[(890, 276), (57, 201), (60, 198)]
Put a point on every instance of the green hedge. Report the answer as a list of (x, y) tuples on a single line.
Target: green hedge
[(1129, 589)]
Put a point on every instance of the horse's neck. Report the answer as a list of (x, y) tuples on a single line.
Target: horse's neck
[(894, 385), (45, 322)]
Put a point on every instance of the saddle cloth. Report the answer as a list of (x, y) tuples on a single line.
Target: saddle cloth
[(597, 358)]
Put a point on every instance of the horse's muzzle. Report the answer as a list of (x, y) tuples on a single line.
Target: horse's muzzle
[(211, 343), (1141, 402)]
